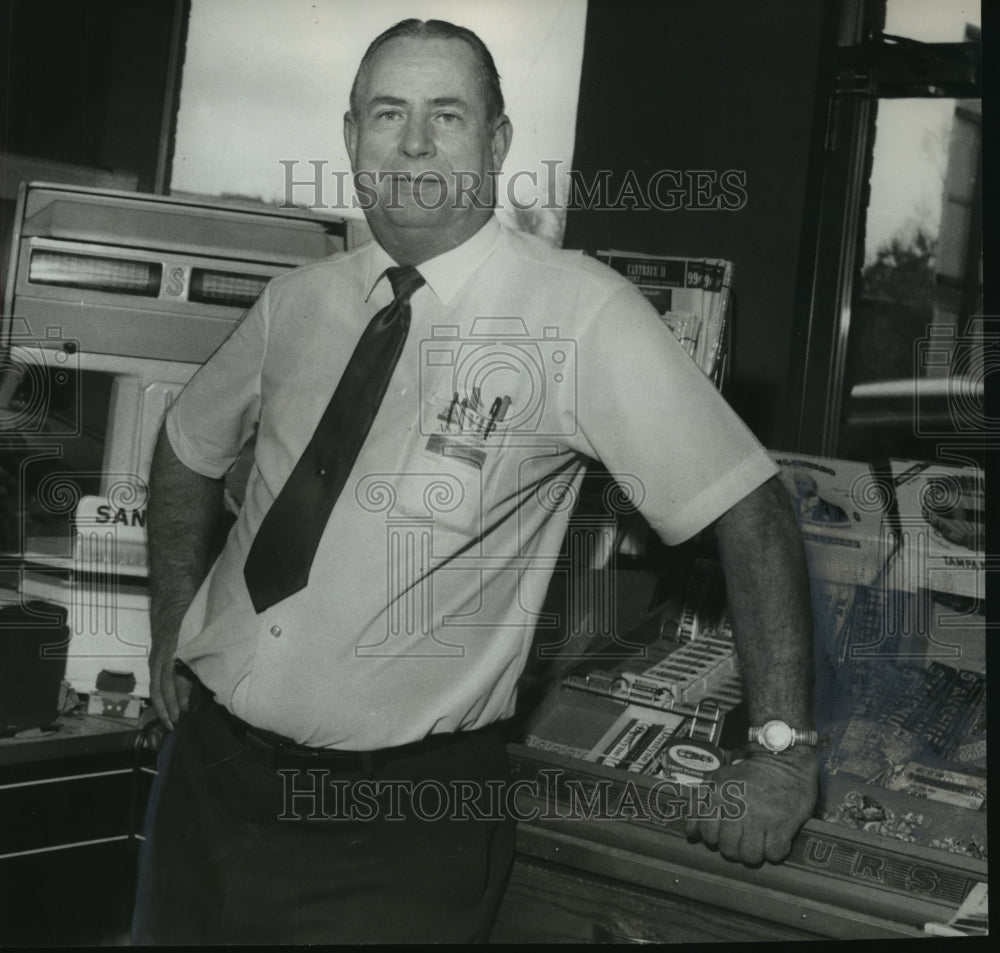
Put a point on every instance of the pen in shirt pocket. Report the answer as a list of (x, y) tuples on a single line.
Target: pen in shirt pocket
[(498, 411), (451, 411), (468, 418)]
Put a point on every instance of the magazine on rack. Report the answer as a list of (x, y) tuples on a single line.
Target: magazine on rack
[(692, 296)]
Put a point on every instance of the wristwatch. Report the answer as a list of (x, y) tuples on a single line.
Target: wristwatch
[(777, 736)]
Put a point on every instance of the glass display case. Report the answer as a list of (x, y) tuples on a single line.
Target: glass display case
[(616, 748)]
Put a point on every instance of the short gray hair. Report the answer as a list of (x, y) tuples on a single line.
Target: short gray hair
[(436, 30)]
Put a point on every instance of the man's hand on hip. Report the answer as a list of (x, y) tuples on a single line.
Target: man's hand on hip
[(169, 688)]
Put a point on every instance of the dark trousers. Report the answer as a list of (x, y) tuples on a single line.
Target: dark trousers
[(244, 846)]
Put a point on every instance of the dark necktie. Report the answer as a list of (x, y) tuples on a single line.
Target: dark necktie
[(282, 551)]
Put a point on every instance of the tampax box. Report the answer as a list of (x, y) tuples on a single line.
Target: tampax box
[(939, 520)]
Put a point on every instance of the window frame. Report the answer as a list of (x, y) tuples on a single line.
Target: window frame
[(867, 66)]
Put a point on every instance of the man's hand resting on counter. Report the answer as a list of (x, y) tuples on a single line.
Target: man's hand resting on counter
[(779, 793)]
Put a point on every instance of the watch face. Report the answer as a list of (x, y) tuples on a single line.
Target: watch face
[(776, 736)]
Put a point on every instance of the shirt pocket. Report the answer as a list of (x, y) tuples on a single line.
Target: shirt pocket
[(446, 472)]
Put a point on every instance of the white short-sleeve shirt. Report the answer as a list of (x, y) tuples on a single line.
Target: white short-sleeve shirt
[(521, 362)]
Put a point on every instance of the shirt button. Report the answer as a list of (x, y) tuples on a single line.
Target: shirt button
[(321, 471), (275, 630)]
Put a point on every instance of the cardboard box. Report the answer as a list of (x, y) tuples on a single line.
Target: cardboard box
[(839, 506), (912, 526), (941, 525)]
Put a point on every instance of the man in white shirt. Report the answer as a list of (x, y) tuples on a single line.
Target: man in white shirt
[(394, 664)]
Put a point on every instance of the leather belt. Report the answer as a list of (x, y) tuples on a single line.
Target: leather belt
[(277, 751)]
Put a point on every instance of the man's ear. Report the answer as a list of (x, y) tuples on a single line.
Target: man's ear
[(351, 135), (503, 132)]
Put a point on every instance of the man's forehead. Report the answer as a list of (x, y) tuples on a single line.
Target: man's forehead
[(450, 63)]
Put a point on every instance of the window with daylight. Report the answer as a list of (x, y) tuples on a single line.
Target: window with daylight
[(898, 347)]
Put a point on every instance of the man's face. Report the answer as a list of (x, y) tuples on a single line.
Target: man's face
[(421, 146)]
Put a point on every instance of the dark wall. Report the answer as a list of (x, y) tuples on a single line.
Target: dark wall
[(85, 81), (712, 85)]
